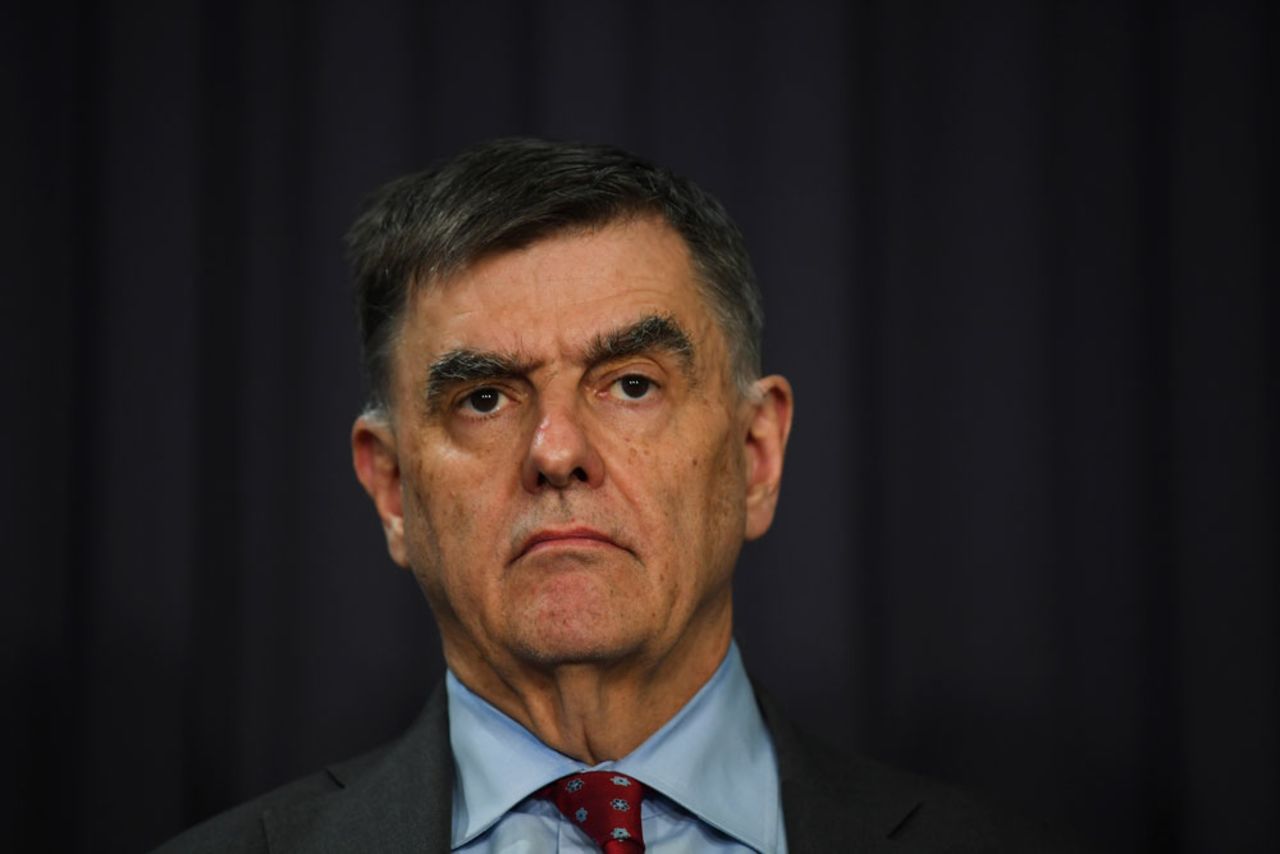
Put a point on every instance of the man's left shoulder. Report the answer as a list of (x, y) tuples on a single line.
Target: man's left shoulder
[(940, 817), (830, 795)]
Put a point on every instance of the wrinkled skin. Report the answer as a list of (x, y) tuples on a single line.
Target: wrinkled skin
[(574, 523)]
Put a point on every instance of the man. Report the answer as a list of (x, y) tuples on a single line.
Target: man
[(568, 441)]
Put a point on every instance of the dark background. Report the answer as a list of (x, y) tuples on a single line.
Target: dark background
[(1018, 259)]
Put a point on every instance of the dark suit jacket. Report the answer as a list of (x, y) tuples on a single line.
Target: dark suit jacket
[(399, 799)]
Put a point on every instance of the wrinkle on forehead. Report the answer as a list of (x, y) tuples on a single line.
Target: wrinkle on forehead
[(552, 299), (632, 251), (649, 335)]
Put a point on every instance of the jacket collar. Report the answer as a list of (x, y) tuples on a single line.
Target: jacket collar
[(830, 800), (396, 800)]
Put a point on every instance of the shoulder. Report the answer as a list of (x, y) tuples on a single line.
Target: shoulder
[(244, 828), (829, 794), (933, 816), (396, 798)]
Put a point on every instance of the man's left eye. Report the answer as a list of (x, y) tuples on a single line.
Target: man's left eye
[(632, 387)]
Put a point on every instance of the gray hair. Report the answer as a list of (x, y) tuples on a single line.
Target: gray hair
[(508, 193)]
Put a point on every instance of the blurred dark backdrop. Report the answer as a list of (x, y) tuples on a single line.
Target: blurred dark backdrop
[(1018, 259)]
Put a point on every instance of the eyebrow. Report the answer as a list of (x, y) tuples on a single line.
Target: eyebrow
[(463, 366), (654, 332)]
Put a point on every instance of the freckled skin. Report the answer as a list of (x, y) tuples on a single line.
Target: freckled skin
[(667, 477), (601, 603)]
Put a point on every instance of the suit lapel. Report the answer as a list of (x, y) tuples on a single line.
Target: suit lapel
[(397, 801), (832, 802)]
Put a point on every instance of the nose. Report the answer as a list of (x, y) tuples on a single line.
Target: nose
[(561, 454)]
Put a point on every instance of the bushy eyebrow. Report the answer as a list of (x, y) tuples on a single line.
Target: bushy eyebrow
[(654, 332), (463, 366)]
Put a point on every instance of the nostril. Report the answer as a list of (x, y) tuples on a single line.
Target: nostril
[(578, 473)]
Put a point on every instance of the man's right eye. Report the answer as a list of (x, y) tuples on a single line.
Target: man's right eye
[(484, 401)]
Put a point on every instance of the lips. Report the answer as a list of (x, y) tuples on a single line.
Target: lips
[(564, 537)]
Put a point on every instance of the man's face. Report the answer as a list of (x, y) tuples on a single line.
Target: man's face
[(573, 457)]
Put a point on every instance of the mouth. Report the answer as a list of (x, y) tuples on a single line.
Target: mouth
[(549, 539)]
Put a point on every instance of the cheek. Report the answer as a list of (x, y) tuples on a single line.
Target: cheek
[(449, 495), (439, 531), (420, 536), (701, 504), (460, 529), (721, 476)]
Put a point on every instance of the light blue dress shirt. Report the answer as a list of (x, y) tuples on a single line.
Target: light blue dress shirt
[(710, 772)]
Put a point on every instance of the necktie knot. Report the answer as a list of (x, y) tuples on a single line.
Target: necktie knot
[(605, 805)]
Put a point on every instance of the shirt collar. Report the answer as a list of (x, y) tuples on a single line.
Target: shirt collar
[(714, 758), (499, 763)]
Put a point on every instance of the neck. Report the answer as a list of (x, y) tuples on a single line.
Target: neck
[(596, 711)]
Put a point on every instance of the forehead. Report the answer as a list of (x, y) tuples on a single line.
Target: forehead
[(561, 290)]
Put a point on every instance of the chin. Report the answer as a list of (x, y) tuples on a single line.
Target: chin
[(560, 635), (552, 655)]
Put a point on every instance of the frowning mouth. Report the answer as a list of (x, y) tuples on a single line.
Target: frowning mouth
[(548, 539)]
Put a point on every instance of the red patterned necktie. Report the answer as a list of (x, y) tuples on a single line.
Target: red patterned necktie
[(605, 804)]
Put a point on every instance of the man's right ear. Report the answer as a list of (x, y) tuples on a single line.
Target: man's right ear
[(377, 464)]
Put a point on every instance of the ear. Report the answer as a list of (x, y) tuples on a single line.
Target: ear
[(767, 431), (377, 465)]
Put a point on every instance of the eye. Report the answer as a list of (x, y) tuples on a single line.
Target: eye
[(484, 401), (631, 387)]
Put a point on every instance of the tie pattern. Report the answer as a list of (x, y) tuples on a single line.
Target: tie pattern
[(605, 805)]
